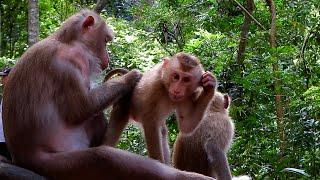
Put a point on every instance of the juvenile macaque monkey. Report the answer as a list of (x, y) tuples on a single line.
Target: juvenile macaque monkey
[(204, 150), (170, 84), (53, 120)]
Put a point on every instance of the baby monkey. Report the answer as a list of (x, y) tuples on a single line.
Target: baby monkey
[(167, 87), (204, 150)]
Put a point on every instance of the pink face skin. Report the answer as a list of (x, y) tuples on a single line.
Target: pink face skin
[(182, 85)]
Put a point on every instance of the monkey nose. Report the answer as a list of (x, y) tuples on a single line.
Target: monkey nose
[(176, 92)]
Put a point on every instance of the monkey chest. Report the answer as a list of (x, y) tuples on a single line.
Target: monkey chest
[(152, 109)]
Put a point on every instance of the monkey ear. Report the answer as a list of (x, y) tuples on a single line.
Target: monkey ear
[(227, 101), (89, 21), (165, 62)]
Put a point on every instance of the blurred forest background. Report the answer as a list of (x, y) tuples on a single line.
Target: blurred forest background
[(265, 53)]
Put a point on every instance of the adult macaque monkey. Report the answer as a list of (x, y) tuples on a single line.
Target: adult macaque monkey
[(204, 150), (53, 118), (170, 84)]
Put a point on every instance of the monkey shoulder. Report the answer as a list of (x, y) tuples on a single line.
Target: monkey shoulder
[(39, 54)]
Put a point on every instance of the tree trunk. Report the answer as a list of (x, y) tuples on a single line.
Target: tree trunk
[(33, 22), (239, 69), (277, 82), (244, 34)]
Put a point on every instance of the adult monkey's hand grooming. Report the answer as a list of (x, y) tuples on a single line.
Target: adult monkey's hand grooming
[(53, 118)]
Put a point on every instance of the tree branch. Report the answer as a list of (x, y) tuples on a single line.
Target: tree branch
[(164, 47), (250, 15), (272, 9), (244, 34), (33, 22)]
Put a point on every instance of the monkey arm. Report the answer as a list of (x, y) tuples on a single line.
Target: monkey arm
[(190, 113), (201, 104), (152, 131), (78, 101), (118, 120), (111, 91), (209, 83), (165, 144)]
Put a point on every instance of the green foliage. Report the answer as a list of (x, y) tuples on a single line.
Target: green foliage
[(132, 140), (132, 47), (212, 48), (13, 28), (6, 62), (146, 31)]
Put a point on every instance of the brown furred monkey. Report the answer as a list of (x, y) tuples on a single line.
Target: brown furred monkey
[(53, 120), (204, 150), (170, 84)]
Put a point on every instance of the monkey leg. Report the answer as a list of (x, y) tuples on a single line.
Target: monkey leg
[(118, 120), (218, 161), (102, 163), (152, 132), (165, 144), (178, 155)]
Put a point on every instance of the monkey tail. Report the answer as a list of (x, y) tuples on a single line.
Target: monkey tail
[(113, 72)]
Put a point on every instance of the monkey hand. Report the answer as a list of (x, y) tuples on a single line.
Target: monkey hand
[(209, 82), (132, 78)]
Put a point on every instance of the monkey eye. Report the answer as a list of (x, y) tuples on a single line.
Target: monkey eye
[(176, 76)]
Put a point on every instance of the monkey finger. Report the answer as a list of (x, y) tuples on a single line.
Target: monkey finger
[(208, 79), (208, 84), (207, 74), (133, 77), (136, 74)]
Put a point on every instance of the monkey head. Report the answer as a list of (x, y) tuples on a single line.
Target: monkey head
[(95, 35), (220, 102), (89, 30), (181, 75)]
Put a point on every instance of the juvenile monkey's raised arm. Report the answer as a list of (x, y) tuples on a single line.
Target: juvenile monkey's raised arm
[(191, 112), (209, 83)]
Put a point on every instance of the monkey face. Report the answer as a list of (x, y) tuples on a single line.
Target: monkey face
[(182, 84), (95, 36)]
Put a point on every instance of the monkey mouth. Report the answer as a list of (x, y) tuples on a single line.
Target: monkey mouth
[(176, 98)]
